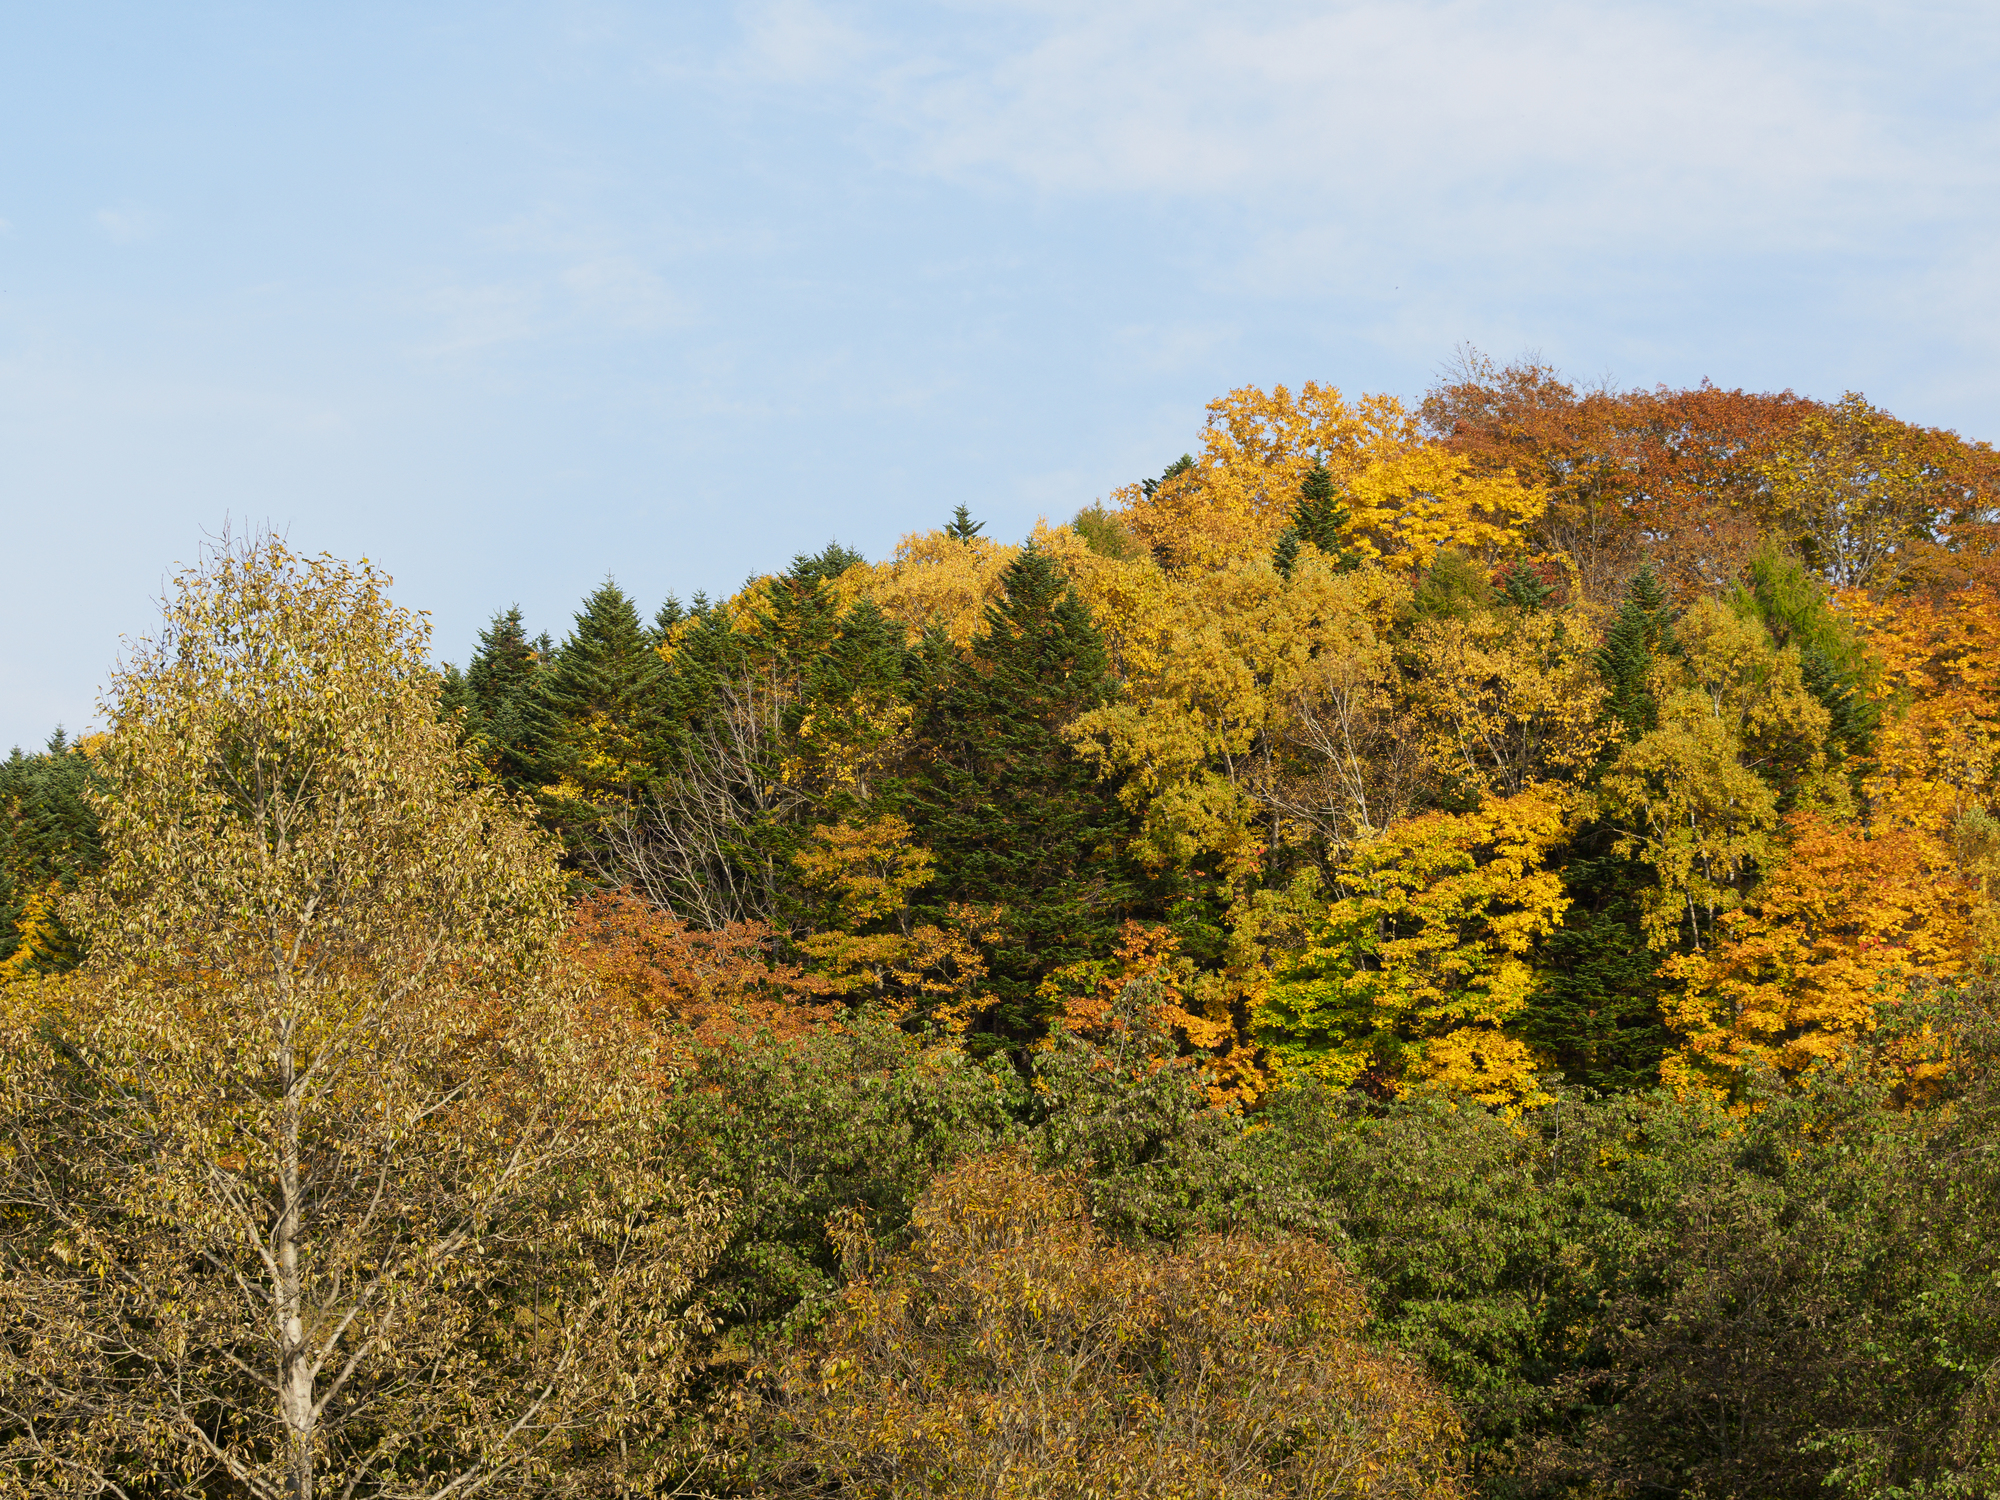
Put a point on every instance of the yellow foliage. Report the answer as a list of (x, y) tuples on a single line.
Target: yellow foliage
[(869, 870), (1012, 1351), (33, 953), (1407, 508), (1256, 450), (1414, 976), (1217, 665), (1697, 797), (934, 581), (1508, 698), (1938, 749)]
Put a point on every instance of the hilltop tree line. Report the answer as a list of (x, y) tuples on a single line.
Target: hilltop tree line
[(1423, 950)]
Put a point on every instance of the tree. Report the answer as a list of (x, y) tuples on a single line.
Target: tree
[(1415, 976), (1015, 816), (499, 696), (319, 1176), (600, 700), (48, 841), (1012, 1349)]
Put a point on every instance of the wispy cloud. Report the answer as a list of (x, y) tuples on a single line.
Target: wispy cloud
[(1520, 128)]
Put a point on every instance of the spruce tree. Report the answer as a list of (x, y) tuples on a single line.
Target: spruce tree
[(961, 527), (1641, 632), (498, 693), (1014, 816), (48, 841), (1318, 519), (597, 715)]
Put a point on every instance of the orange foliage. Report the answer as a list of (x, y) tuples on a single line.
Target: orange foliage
[(665, 975), (1148, 975), (1938, 758), (1798, 975)]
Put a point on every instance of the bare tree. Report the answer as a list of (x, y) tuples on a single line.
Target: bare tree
[(318, 1178)]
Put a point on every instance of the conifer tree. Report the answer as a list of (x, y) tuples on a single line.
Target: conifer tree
[(961, 527), (1318, 518), (599, 711), (1016, 819), (1642, 630), (48, 839), (498, 694)]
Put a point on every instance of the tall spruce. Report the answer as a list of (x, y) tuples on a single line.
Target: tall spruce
[(48, 840), (1642, 631), (1015, 818), (599, 707), (503, 712), (1318, 519)]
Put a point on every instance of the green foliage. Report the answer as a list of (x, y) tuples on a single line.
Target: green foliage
[(48, 841), (504, 714), (1453, 588), (1105, 534), (1318, 520), (860, 1118), (1595, 1011), (961, 527), (1016, 818), (1642, 631), (1793, 605)]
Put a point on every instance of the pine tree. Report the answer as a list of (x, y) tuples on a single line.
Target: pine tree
[(961, 527), (1016, 819), (1642, 631)]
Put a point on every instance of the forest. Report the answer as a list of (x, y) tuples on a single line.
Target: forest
[(1428, 950)]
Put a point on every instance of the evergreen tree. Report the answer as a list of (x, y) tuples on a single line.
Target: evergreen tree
[(597, 715), (1318, 518), (498, 695), (1015, 818), (1174, 470), (961, 527), (48, 841), (1641, 632), (1792, 603), (1595, 1013)]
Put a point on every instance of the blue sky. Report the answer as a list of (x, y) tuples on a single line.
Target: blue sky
[(510, 296)]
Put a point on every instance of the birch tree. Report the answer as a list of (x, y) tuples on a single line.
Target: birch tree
[(319, 1177)]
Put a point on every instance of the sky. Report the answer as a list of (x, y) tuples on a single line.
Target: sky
[(509, 297)]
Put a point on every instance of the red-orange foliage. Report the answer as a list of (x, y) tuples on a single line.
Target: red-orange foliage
[(664, 974)]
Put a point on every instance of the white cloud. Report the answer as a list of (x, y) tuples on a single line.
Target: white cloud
[(1569, 125)]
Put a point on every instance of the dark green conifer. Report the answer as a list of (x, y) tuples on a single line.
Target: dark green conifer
[(498, 694), (1318, 519), (48, 838), (1015, 817), (961, 527), (1641, 632)]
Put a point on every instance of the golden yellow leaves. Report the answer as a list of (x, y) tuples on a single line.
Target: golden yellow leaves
[(1407, 499), (934, 581), (869, 870), (1012, 1348), (1697, 797), (1414, 976)]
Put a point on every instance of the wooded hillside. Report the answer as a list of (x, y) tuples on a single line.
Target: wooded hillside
[(1424, 950)]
